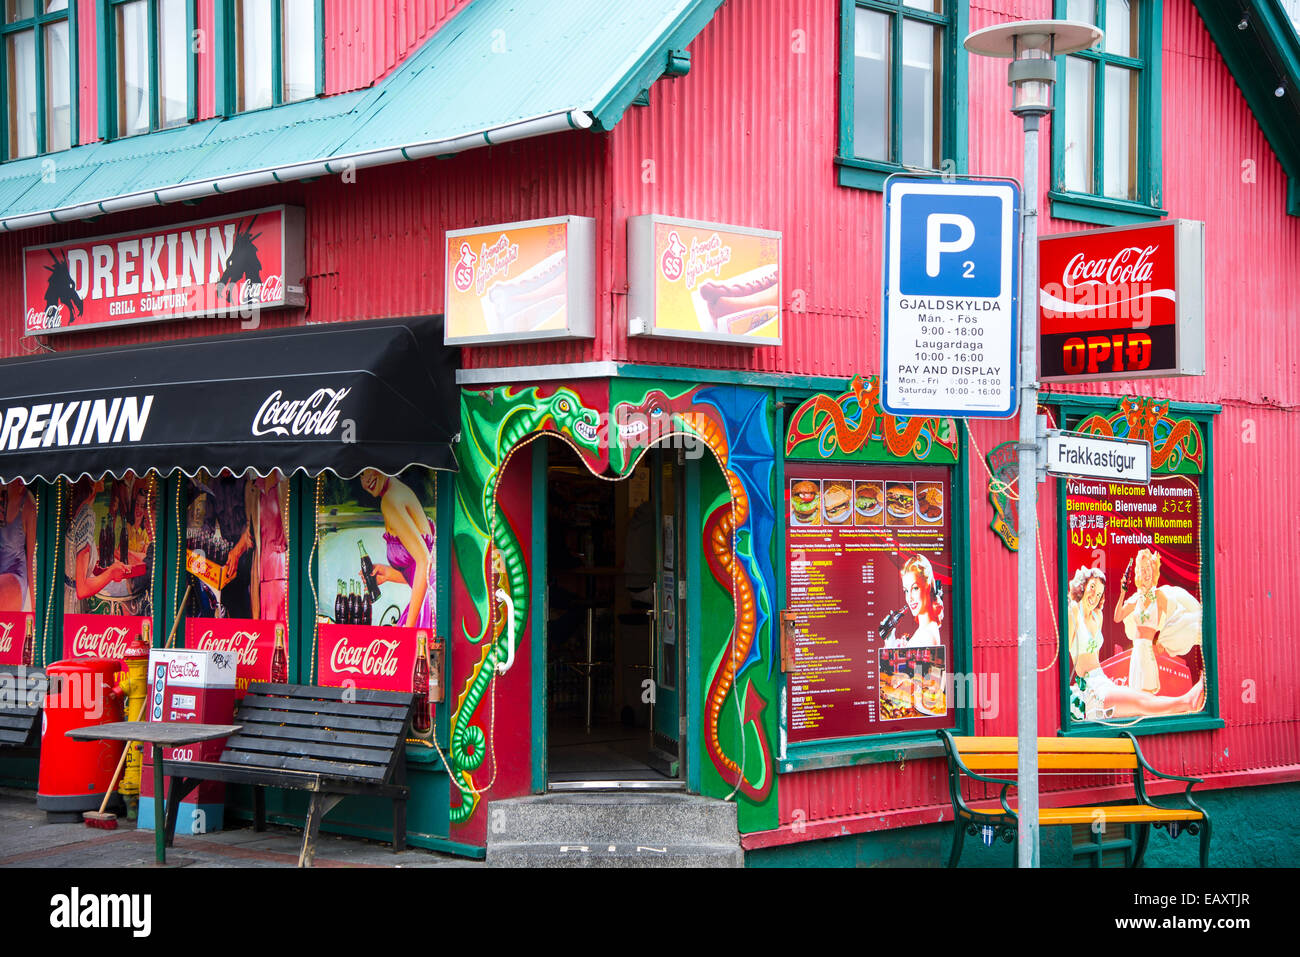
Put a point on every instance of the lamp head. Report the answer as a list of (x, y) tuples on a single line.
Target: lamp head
[(1032, 46)]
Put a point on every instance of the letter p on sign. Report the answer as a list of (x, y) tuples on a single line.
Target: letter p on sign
[(936, 245), (950, 245)]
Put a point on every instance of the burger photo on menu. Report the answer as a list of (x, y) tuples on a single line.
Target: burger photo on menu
[(805, 503), (835, 503), (900, 503), (868, 503), (929, 502)]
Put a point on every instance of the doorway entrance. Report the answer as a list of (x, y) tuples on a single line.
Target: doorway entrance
[(615, 645)]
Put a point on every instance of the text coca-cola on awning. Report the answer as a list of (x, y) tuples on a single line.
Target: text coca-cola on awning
[(338, 398)]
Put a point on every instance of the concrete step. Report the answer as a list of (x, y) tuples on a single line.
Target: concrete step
[(617, 855), (604, 819)]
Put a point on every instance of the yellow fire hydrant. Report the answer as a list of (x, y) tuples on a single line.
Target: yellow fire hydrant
[(133, 684)]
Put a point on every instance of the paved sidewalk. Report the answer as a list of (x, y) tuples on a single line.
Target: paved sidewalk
[(26, 840)]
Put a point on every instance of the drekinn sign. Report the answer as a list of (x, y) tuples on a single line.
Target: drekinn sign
[(215, 267), (1125, 303)]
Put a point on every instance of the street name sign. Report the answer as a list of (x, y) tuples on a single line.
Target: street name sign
[(1087, 456), (951, 296)]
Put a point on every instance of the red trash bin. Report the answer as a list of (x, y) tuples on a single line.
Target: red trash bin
[(75, 775)]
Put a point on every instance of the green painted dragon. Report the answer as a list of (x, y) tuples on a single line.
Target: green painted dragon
[(494, 423)]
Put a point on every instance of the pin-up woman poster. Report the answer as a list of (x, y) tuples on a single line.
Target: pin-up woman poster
[(17, 547)]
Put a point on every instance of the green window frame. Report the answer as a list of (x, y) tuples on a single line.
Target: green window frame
[(1094, 205), (230, 99), (44, 15), (1071, 410), (111, 96), (951, 110)]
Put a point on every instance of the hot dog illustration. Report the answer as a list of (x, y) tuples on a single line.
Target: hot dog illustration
[(528, 301), (741, 304)]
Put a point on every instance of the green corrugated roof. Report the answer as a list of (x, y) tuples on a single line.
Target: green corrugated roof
[(496, 63)]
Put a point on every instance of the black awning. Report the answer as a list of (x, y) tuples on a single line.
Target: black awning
[(338, 397)]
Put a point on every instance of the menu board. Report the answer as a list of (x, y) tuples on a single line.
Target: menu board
[(870, 573), (1133, 599)]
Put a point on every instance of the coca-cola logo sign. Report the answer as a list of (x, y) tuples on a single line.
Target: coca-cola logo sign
[(316, 415), (6, 636), (378, 657), (382, 658), (95, 636), (243, 644), (183, 669), (1122, 303), (254, 648)]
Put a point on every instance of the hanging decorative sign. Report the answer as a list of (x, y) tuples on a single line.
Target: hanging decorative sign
[(1124, 303), (225, 266), (1004, 466), (852, 427)]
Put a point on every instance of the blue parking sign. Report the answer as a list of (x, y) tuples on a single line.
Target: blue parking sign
[(961, 242), (951, 319)]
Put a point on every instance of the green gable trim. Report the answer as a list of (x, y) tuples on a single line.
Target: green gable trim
[(1255, 56), (667, 56)]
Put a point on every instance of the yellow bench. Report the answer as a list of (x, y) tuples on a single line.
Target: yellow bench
[(1074, 756)]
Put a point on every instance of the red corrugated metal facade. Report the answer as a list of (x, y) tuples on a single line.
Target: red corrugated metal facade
[(748, 137)]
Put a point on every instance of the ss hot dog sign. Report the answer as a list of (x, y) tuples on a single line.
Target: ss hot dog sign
[(521, 282), (706, 281)]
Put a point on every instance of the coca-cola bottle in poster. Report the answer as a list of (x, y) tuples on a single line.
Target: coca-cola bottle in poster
[(422, 723), (280, 660)]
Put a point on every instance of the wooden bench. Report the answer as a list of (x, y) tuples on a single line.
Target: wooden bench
[(1073, 757), (22, 694), (331, 742)]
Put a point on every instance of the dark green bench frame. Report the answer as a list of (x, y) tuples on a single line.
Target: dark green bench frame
[(331, 742)]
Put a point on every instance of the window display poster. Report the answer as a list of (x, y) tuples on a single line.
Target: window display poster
[(377, 549), (869, 573), (1133, 598), (17, 574), (237, 547), (108, 547)]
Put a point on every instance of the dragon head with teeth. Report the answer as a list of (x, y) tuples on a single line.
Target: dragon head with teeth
[(564, 412)]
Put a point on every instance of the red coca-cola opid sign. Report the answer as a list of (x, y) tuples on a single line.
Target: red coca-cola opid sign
[(227, 266), (1123, 303), (252, 641), (366, 657), (100, 636)]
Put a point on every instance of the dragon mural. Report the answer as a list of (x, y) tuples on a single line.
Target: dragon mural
[(734, 424), (1177, 445), (495, 424), (853, 426)]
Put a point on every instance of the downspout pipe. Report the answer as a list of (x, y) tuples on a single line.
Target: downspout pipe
[(335, 165)]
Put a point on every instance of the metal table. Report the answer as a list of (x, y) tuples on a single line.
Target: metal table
[(161, 734)]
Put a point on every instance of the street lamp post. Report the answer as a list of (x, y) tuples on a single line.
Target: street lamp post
[(1032, 46)]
